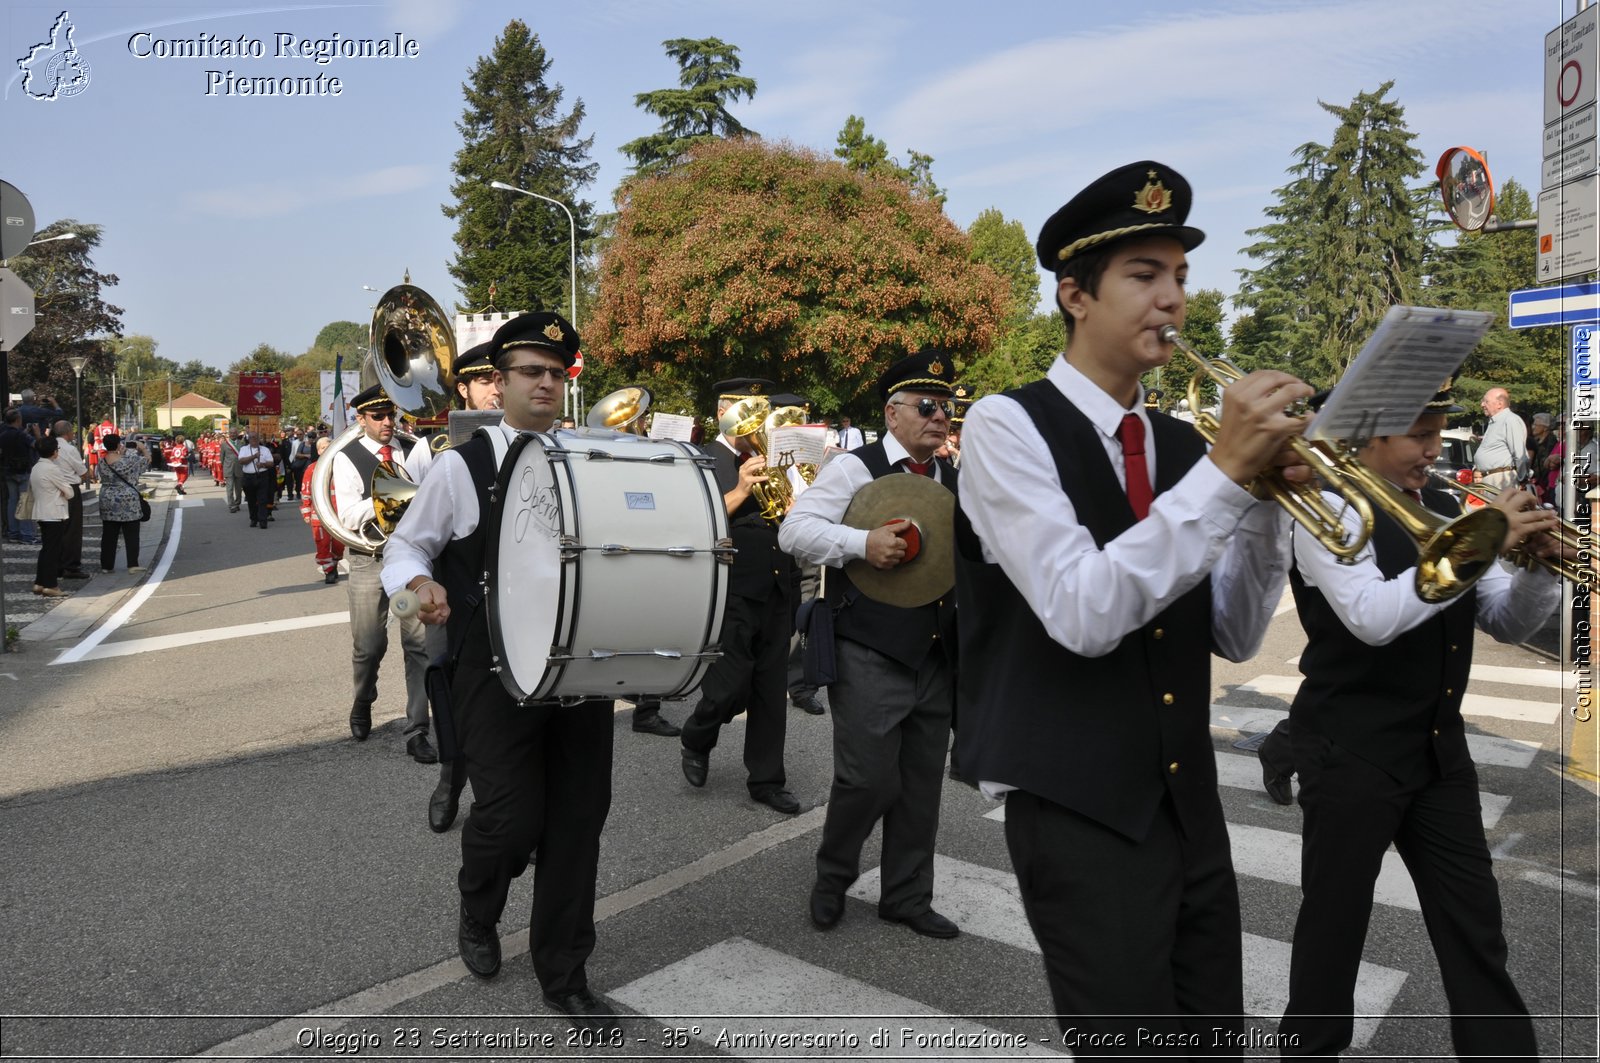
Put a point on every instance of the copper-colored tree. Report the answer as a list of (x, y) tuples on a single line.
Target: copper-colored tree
[(764, 259)]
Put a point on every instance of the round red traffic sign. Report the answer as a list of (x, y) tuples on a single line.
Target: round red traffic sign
[(1562, 94), (577, 366)]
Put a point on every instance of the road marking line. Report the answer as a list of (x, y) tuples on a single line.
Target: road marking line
[(1485, 749), (393, 994), (218, 634), (784, 997), (1564, 885), (987, 903), (1274, 855), (123, 615)]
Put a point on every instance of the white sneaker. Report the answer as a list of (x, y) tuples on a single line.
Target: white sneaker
[(135, 568)]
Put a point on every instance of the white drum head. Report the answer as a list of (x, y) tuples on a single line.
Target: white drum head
[(524, 552)]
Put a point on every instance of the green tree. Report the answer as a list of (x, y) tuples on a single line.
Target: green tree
[(513, 131), (1027, 341), (709, 82), (341, 336), (1344, 244), (73, 317), (1475, 272), (865, 153), (768, 260)]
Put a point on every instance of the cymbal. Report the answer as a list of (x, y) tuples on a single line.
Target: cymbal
[(932, 508)]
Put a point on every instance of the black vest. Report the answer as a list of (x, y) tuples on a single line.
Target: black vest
[(760, 569), (461, 566), (1107, 737), (903, 635), (1396, 706)]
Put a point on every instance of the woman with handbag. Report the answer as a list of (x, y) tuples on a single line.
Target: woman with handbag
[(51, 484), (121, 508)]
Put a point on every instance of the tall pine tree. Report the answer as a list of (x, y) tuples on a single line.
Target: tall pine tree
[(513, 130), (1344, 244), (697, 110)]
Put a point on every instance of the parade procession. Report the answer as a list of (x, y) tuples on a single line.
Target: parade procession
[(831, 618)]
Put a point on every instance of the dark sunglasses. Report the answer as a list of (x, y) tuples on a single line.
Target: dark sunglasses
[(926, 407), (376, 416), (536, 372)]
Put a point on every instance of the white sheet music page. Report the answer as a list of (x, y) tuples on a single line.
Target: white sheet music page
[(1400, 368)]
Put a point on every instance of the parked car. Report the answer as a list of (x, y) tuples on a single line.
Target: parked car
[(1454, 463)]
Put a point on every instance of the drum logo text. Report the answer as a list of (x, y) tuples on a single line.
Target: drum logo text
[(640, 499)]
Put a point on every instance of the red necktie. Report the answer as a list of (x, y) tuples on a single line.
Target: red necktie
[(1416, 496), (1131, 435), (386, 453), (918, 467)]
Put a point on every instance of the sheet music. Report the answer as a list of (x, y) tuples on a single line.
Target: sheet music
[(1414, 350), (800, 444), (671, 426)]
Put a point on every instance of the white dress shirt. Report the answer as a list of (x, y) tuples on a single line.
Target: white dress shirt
[(1089, 599), (72, 459), (812, 532), (350, 493), (254, 458), (445, 507), (851, 438), (1377, 610)]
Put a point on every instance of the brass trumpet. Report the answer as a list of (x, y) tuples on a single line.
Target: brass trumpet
[(1304, 502), (1569, 535)]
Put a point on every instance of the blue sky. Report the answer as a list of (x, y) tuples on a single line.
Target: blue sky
[(236, 221)]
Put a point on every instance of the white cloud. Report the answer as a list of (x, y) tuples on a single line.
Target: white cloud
[(279, 198)]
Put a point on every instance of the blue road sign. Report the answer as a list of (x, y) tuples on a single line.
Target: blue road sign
[(1562, 304)]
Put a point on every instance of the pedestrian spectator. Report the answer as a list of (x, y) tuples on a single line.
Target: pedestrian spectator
[(850, 437), (119, 501), (53, 485), (300, 451), (232, 474), (72, 546), (17, 456), (38, 414), (1541, 441), (1502, 456)]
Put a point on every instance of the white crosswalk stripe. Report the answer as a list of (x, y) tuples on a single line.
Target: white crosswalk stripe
[(1485, 749), (1539, 710), (756, 1002)]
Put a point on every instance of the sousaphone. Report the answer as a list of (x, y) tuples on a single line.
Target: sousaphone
[(412, 350)]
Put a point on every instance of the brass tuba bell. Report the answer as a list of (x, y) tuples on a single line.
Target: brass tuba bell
[(621, 411)]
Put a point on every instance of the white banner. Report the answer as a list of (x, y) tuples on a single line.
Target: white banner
[(473, 329), (341, 417)]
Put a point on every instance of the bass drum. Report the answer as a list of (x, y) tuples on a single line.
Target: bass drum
[(608, 559)]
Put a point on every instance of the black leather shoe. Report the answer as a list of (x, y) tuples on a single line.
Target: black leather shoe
[(74, 573), (586, 1010), (331, 576), (653, 724), (826, 908), (695, 766), (443, 805), (778, 800), (360, 722), (1278, 787), (480, 946), (421, 750), (809, 703), (930, 924)]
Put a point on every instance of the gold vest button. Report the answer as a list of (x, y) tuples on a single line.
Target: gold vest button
[(1448, 692), (1157, 633), (1436, 732), (1172, 769), (1167, 699)]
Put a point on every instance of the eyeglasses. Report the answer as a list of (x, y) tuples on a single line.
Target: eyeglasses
[(926, 407), (376, 416), (535, 372)]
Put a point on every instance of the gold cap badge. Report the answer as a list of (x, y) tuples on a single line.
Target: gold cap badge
[(1154, 197), (936, 368), (552, 332)]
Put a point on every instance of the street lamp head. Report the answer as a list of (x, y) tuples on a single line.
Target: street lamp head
[(502, 186), (51, 239), (77, 362)]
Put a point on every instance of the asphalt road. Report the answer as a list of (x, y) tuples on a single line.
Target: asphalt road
[(198, 859)]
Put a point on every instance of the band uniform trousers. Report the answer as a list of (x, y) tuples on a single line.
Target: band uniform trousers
[(72, 545), (891, 728), (1135, 935), (369, 633), (807, 583), (750, 676), (541, 781), (1353, 811)]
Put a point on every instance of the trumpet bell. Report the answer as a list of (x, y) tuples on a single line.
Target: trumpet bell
[(1452, 559), (392, 492), (621, 411), (746, 417)]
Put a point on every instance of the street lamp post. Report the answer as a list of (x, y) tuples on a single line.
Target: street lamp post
[(572, 228), (77, 362)]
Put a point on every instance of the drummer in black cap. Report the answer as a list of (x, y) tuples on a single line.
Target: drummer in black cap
[(1103, 555), (895, 689), (750, 676), (541, 773)]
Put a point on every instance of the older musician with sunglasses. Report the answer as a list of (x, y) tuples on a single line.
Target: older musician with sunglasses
[(895, 691), (540, 773), (353, 470)]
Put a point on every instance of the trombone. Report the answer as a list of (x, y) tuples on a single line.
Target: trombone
[(1451, 554), (1568, 535)]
